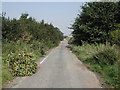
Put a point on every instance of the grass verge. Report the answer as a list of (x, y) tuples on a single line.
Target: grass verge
[(19, 58), (103, 59)]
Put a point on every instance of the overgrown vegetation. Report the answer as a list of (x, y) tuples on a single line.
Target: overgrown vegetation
[(24, 41), (96, 39), (102, 59)]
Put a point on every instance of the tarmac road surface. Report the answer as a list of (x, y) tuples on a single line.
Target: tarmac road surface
[(60, 69)]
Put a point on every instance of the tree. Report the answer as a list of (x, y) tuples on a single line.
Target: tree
[(95, 21), (24, 16), (28, 29)]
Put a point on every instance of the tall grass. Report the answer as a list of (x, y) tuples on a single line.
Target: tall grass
[(11, 51), (103, 59)]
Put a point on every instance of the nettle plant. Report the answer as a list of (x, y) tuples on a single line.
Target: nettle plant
[(21, 63)]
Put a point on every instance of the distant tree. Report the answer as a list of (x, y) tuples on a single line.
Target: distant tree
[(24, 16), (42, 22)]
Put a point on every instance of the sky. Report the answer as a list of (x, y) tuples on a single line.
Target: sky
[(60, 14)]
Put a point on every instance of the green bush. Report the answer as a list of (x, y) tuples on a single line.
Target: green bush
[(70, 41), (114, 37), (106, 57), (14, 48), (21, 64)]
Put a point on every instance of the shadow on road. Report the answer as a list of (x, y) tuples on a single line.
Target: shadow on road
[(69, 47)]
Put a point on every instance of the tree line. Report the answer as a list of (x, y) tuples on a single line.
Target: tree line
[(28, 29), (98, 23)]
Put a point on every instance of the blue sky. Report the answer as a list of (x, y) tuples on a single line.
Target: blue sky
[(60, 14)]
